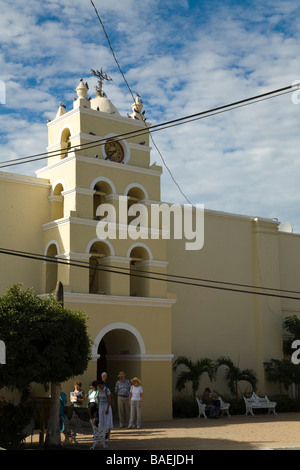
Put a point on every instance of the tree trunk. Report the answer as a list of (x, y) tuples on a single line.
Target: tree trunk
[(53, 431)]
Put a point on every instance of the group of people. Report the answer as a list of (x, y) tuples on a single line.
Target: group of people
[(99, 401)]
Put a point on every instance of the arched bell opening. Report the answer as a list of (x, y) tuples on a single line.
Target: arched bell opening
[(65, 142), (51, 268), (139, 281), (57, 201), (102, 190), (134, 196), (99, 277)]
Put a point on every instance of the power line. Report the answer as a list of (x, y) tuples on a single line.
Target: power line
[(112, 51), (155, 127), (130, 91), (118, 65), (38, 257)]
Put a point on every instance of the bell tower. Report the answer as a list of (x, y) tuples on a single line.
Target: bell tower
[(102, 190), (98, 157)]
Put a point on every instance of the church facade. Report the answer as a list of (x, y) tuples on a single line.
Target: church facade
[(89, 208)]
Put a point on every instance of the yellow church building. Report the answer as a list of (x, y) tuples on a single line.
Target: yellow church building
[(85, 208)]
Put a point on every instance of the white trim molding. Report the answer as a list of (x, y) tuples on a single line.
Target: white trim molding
[(105, 180), (136, 185), (117, 326), (78, 297), (140, 357)]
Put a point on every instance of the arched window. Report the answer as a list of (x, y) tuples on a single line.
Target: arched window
[(102, 190), (57, 200), (139, 282), (51, 268), (65, 142), (98, 280), (134, 195)]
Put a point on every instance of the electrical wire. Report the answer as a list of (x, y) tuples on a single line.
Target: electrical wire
[(130, 91), (173, 279), (112, 51), (155, 127)]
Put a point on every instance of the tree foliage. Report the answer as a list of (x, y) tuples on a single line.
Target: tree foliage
[(292, 325), (194, 372), (234, 375), (45, 342), (283, 372)]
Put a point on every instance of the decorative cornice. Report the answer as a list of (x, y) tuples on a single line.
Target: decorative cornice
[(135, 169), (140, 357), (23, 179), (93, 223), (65, 161), (99, 114), (73, 297), (86, 192), (95, 161)]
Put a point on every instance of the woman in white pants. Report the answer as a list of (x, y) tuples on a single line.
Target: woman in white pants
[(135, 402)]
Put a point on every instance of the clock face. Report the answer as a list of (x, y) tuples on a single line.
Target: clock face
[(114, 151)]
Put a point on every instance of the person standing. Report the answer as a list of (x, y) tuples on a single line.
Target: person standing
[(78, 395), (104, 379), (105, 411), (122, 389), (93, 402), (135, 400)]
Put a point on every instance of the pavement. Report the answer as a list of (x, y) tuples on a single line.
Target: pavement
[(240, 432)]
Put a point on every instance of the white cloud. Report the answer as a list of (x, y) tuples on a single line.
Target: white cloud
[(182, 59)]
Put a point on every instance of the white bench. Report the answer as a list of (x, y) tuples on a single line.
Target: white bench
[(75, 425), (29, 429), (224, 408), (259, 403)]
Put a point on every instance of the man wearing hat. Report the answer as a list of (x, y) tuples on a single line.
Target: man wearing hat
[(122, 389)]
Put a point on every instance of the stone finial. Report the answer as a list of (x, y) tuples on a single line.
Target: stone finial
[(61, 110), (82, 89), (137, 107)]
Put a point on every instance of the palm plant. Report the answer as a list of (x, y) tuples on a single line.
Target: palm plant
[(194, 372), (283, 372), (234, 375)]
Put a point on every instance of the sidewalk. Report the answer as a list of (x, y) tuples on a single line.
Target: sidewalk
[(260, 432)]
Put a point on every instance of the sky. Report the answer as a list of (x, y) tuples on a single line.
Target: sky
[(182, 57)]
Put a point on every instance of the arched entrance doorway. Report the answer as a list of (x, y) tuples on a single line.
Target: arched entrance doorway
[(119, 346)]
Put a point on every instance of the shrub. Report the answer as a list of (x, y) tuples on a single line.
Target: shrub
[(185, 407), (13, 418)]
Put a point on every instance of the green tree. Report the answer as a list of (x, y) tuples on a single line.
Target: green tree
[(45, 342), (234, 375), (283, 372), (194, 372), (292, 325)]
